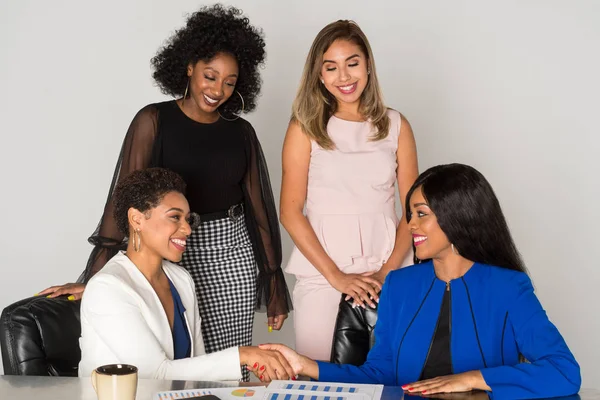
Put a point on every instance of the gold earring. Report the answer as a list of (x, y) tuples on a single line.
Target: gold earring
[(137, 240), (236, 115), (186, 91)]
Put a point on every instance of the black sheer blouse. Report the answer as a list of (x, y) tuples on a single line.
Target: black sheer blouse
[(157, 134)]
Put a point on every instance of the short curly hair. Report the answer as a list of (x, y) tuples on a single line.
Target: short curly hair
[(143, 190), (209, 31)]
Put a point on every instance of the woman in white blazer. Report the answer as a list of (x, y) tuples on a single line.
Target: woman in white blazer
[(141, 309)]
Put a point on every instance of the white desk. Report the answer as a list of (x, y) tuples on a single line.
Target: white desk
[(53, 388)]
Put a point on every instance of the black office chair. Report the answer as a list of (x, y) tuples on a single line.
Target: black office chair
[(353, 334), (40, 336)]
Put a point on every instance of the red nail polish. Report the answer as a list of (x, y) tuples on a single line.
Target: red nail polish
[(409, 389), (293, 378), (261, 378), (255, 365), (404, 386), (262, 368), (424, 391)]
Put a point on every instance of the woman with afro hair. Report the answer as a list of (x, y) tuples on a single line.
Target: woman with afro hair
[(210, 67)]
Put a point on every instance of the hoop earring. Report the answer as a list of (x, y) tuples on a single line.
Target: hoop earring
[(237, 116), (137, 240), (453, 248), (186, 91)]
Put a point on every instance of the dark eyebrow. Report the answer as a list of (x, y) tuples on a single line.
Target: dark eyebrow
[(349, 58), (174, 209), (218, 73), (421, 204)]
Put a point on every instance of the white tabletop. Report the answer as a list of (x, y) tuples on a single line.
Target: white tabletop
[(54, 388)]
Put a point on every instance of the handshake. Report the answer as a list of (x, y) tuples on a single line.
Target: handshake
[(276, 361)]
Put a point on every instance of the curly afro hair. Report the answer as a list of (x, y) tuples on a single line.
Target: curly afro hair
[(209, 31), (143, 190)]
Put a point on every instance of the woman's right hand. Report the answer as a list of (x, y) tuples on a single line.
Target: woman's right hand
[(362, 288), (301, 365), (266, 364), (75, 290)]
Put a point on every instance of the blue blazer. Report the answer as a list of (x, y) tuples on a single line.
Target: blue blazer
[(495, 317)]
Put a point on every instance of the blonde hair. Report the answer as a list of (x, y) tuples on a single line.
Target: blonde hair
[(314, 105)]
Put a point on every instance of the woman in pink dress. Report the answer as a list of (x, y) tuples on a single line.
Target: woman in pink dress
[(343, 152)]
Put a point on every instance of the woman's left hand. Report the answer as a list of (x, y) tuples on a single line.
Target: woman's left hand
[(464, 382), (276, 322)]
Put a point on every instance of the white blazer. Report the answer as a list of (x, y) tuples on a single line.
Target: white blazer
[(123, 321)]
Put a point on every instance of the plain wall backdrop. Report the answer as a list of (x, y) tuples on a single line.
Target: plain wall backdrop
[(509, 87)]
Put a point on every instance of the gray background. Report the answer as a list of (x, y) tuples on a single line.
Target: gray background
[(509, 87)]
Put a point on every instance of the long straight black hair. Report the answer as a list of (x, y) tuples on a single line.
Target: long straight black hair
[(469, 213)]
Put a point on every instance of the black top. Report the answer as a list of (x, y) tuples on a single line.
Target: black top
[(211, 158), (439, 362), (222, 164)]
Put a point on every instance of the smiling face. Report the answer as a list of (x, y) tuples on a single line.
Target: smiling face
[(429, 239), (165, 228), (344, 71), (212, 83)]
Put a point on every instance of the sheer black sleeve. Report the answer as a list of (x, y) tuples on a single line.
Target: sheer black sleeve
[(136, 153), (263, 227)]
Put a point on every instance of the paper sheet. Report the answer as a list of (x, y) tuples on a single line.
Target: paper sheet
[(322, 391), (283, 390), (228, 393)]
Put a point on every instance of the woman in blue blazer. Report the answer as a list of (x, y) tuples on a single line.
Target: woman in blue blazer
[(465, 315)]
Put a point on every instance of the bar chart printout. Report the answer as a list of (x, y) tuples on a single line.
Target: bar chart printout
[(283, 390), (294, 390), (232, 393)]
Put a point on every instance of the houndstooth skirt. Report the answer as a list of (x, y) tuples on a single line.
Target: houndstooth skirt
[(219, 257)]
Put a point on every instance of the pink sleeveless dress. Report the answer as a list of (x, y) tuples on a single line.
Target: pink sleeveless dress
[(350, 204)]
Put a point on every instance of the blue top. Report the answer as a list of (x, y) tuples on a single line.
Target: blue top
[(494, 318), (181, 337)]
